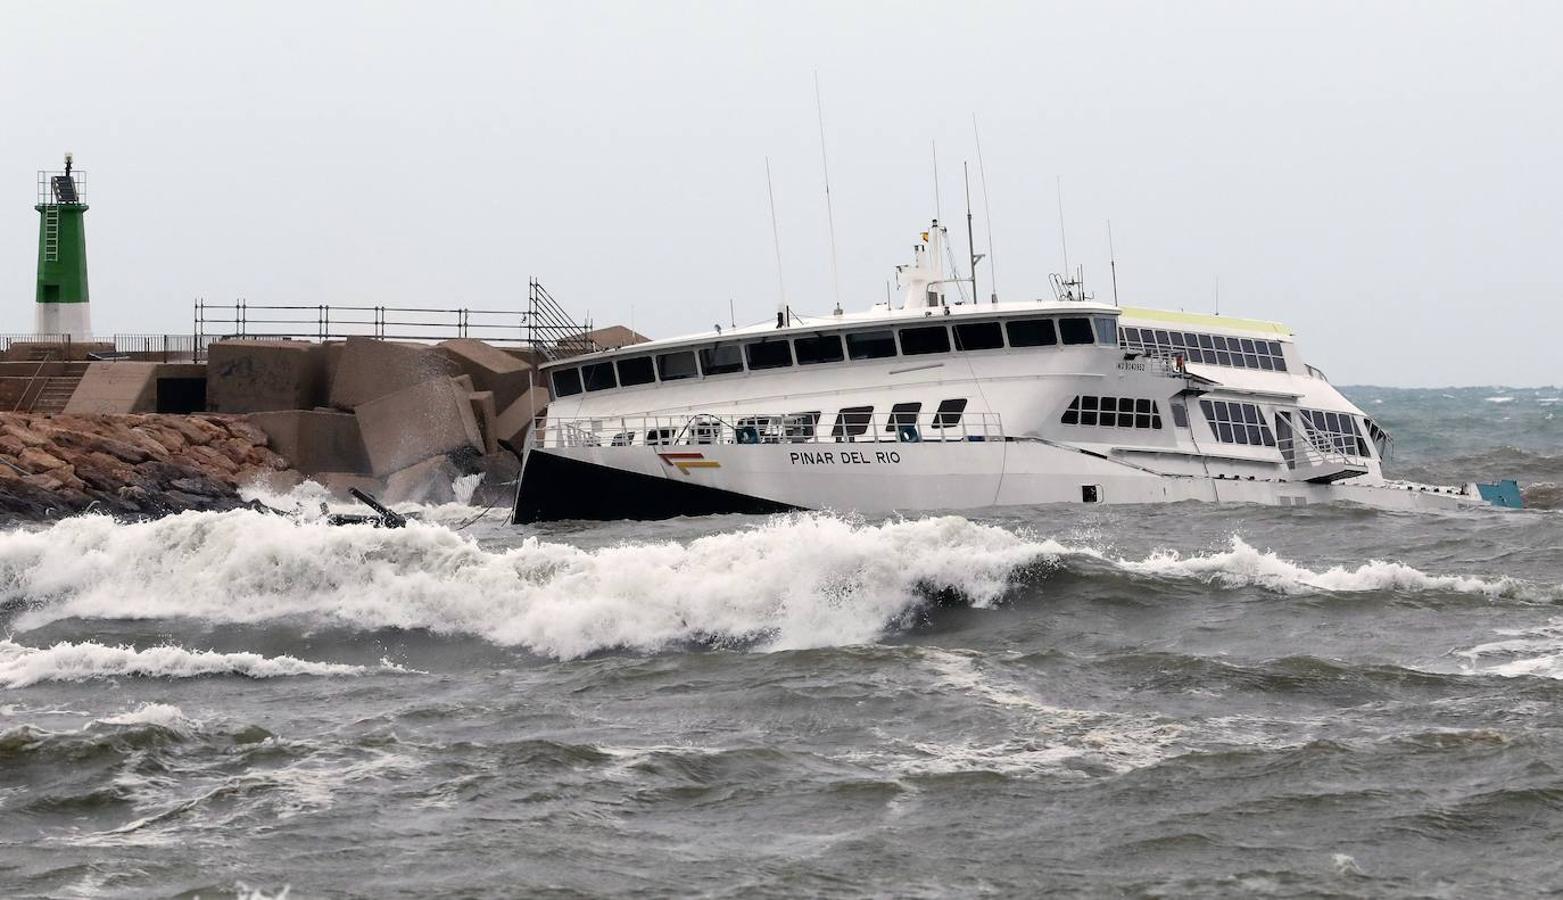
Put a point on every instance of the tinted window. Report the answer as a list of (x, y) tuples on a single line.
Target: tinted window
[(599, 376), (903, 414), (1079, 331), (949, 413), (1031, 333), (798, 427), (769, 354), (567, 382), (673, 366), (1106, 330), (720, 360), (871, 344), (979, 336), (823, 349), (932, 339), (852, 421), (636, 370)]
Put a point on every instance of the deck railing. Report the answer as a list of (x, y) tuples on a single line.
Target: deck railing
[(847, 427)]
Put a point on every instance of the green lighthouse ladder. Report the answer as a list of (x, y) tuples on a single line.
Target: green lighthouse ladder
[(51, 234)]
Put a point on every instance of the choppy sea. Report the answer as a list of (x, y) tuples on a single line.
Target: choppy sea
[(1182, 700)]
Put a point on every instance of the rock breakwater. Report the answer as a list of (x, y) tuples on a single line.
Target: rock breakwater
[(58, 465)]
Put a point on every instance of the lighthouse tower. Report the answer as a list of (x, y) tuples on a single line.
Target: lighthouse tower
[(62, 254)]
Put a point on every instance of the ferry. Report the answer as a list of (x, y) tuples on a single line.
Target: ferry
[(947, 403)]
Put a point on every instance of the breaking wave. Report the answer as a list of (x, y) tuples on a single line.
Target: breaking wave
[(21, 666), (797, 581)]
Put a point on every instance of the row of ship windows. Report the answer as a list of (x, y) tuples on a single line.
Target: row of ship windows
[(1244, 423), (780, 353), (1113, 412), (851, 422), (1211, 349)]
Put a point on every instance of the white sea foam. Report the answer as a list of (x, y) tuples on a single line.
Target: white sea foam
[(796, 581), (1500, 399), (165, 715), (1536, 651), (21, 665), (800, 581), (1244, 565)]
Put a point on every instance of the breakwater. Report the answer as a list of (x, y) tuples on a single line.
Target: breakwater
[(131, 464)]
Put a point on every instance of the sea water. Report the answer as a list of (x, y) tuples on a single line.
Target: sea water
[(1166, 700)]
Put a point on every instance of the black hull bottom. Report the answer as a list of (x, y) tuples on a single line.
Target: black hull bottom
[(553, 488)]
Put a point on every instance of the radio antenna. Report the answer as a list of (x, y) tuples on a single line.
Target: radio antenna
[(987, 213), (1218, 295), (937, 214), (1063, 236), (781, 282), (971, 246), (830, 215), (1112, 260)]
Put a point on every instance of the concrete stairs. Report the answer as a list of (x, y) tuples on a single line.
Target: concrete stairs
[(54, 391)]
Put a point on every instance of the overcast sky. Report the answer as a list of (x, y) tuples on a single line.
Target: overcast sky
[(1387, 178)]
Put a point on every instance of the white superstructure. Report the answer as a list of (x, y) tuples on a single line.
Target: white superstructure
[(931, 404)]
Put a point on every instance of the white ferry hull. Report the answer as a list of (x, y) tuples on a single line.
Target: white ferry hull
[(652, 482)]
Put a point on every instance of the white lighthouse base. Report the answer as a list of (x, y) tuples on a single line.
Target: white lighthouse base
[(73, 319)]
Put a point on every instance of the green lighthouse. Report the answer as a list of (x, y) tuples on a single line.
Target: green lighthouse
[(62, 255)]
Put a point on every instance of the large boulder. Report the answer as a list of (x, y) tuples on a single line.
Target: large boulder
[(258, 376), (415, 423), (429, 482), (516, 419), (369, 368)]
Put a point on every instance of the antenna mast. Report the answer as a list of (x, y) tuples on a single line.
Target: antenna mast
[(987, 213), (971, 247), (1112, 260), (937, 213), (830, 215), (781, 282), (1063, 236)]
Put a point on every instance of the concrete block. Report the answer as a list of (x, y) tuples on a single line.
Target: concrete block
[(491, 368), (428, 419), (115, 387), (315, 440), (514, 421), (429, 482), (258, 376), (483, 410), (369, 368)]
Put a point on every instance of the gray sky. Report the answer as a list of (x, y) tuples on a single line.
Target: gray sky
[(1385, 177)]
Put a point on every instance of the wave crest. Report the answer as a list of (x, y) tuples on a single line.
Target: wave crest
[(22, 666)]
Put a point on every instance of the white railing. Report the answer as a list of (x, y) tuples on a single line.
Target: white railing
[(790, 428)]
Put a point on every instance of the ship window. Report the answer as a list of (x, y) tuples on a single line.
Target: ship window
[(567, 382), (636, 370), (769, 354), (852, 421), (825, 348), (871, 344), (1237, 423), (903, 414), (1334, 431), (622, 439), (674, 366), (920, 341), (721, 359), (1106, 328), (799, 427), (949, 413), (599, 376), (1031, 333), (979, 336), (1113, 412), (1076, 331), (657, 437), (1180, 415)]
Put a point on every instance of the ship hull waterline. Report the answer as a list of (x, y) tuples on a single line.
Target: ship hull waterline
[(648, 483)]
